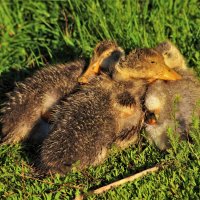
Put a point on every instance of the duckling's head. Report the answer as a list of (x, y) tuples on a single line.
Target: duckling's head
[(172, 56), (146, 64), (106, 55)]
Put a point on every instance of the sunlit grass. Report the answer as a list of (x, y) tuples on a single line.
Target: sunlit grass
[(36, 32)]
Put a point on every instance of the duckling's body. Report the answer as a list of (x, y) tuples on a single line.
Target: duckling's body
[(34, 97), (89, 122), (174, 103)]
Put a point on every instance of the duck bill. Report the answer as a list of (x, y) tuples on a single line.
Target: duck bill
[(168, 74), (95, 65), (92, 70), (161, 72)]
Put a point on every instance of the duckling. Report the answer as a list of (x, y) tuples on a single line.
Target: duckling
[(172, 103), (33, 98), (88, 122)]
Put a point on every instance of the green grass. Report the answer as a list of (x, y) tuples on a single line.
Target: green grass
[(36, 32), (178, 180), (33, 33)]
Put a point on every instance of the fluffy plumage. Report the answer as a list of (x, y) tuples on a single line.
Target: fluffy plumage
[(174, 103), (34, 97), (28, 106), (89, 122)]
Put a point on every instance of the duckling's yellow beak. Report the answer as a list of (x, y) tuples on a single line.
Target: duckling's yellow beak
[(92, 70), (152, 73), (163, 72), (94, 67)]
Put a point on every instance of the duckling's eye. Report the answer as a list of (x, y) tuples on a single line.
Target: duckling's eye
[(153, 62)]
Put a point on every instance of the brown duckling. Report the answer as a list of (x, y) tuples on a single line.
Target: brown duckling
[(144, 64), (172, 103), (26, 114), (88, 122)]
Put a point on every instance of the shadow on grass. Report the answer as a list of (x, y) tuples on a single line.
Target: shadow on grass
[(62, 55)]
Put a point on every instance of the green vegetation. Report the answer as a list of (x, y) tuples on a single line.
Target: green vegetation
[(33, 33), (36, 32)]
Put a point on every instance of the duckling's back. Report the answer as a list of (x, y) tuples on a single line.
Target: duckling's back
[(87, 123), (34, 97), (83, 127)]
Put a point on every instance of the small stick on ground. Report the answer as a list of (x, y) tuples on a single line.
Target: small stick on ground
[(120, 182)]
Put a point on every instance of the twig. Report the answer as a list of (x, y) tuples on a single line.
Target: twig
[(125, 180), (120, 182)]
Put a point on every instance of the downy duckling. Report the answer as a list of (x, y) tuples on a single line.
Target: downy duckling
[(146, 64), (173, 103), (25, 115), (88, 122)]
